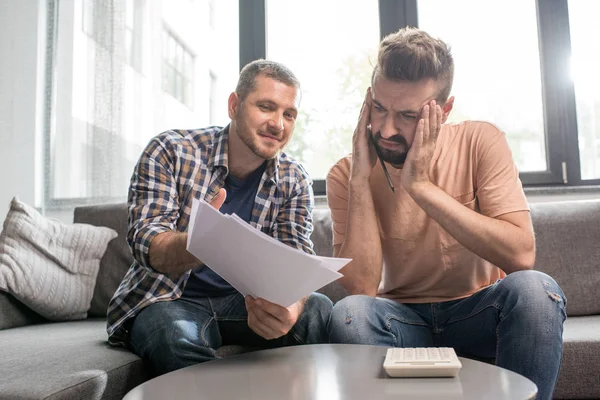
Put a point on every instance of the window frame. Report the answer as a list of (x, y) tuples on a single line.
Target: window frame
[(558, 93), (178, 69)]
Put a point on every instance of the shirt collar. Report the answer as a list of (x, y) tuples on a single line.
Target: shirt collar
[(218, 156)]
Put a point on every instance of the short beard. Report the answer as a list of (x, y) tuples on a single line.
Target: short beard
[(389, 156), (244, 134)]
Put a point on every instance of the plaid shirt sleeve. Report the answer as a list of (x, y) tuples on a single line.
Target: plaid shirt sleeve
[(153, 200), (293, 224)]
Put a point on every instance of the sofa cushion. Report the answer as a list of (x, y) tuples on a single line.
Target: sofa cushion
[(67, 360), (13, 313), (581, 356), (50, 266), (116, 260), (568, 249)]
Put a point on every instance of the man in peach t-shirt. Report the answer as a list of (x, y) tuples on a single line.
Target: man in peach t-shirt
[(446, 259)]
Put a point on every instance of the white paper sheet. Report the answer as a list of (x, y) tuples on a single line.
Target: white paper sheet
[(254, 263)]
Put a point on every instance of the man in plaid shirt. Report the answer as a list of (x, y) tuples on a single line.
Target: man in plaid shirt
[(172, 310)]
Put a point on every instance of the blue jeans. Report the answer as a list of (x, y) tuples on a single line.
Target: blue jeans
[(518, 321), (174, 334)]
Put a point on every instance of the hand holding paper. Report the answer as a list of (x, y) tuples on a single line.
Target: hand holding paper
[(254, 263)]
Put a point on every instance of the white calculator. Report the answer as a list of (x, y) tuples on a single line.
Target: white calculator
[(412, 362)]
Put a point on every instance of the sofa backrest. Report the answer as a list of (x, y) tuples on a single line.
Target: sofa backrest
[(567, 237), (568, 249), (13, 313), (117, 259)]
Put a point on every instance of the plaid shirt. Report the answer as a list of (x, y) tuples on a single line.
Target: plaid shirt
[(176, 167)]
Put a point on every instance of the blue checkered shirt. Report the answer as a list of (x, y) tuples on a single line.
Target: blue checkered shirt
[(176, 167)]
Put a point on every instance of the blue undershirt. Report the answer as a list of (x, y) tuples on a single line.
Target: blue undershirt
[(203, 281)]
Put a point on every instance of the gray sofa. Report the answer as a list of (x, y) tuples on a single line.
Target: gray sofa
[(72, 360)]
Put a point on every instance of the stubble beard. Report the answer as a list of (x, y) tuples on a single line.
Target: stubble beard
[(251, 141), (396, 158)]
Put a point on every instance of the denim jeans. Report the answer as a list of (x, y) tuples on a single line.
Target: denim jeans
[(518, 321), (170, 335)]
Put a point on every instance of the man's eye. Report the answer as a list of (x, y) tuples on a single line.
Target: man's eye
[(264, 107), (409, 117), (290, 115), (379, 109)]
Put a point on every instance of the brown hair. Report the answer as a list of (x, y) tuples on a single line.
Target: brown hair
[(271, 69), (411, 55)]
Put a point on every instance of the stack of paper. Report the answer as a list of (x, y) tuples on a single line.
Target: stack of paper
[(254, 263)]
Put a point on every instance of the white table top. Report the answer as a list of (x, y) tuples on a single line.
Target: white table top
[(327, 371)]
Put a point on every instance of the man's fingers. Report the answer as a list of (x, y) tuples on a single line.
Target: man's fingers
[(267, 313), (263, 320), (219, 199), (275, 310), (426, 123), (432, 120), (272, 315), (420, 136), (439, 121), (365, 112), (258, 327)]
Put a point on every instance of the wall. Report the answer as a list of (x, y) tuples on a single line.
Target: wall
[(20, 77)]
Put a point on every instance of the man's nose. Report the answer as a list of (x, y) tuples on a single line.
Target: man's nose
[(276, 123), (388, 129)]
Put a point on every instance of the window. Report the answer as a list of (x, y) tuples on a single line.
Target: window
[(105, 110), (94, 12), (545, 141), (585, 64), (133, 33), (212, 103), (333, 61), (211, 13), (497, 70), (113, 24), (178, 64), (124, 70), (512, 72)]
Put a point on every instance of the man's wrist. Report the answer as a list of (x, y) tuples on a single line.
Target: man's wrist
[(420, 190), (169, 255), (360, 182)]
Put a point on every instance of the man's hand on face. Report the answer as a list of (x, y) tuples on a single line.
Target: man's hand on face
[(363, 150), (269, 320), (415, 172)]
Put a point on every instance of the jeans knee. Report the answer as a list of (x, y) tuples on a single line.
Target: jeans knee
[(350, 316), (318, 307), (311, 327), (162, 331), (536, 292)]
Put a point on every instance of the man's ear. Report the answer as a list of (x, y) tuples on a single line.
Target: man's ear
[(447, 108), (232, 104)]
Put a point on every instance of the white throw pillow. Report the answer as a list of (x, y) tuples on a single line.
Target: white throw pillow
[(49, 266)]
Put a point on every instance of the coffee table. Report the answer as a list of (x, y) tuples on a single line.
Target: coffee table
[(327, 371)]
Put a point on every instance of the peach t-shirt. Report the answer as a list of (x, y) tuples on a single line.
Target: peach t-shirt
[(422, 263)]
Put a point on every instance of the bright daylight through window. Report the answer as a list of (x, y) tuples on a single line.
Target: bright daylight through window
[(497, 70), (585, 64), (333, 59), (127, 70)]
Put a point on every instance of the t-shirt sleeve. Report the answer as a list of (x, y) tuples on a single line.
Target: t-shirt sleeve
[(499, 189), (337, 198)]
